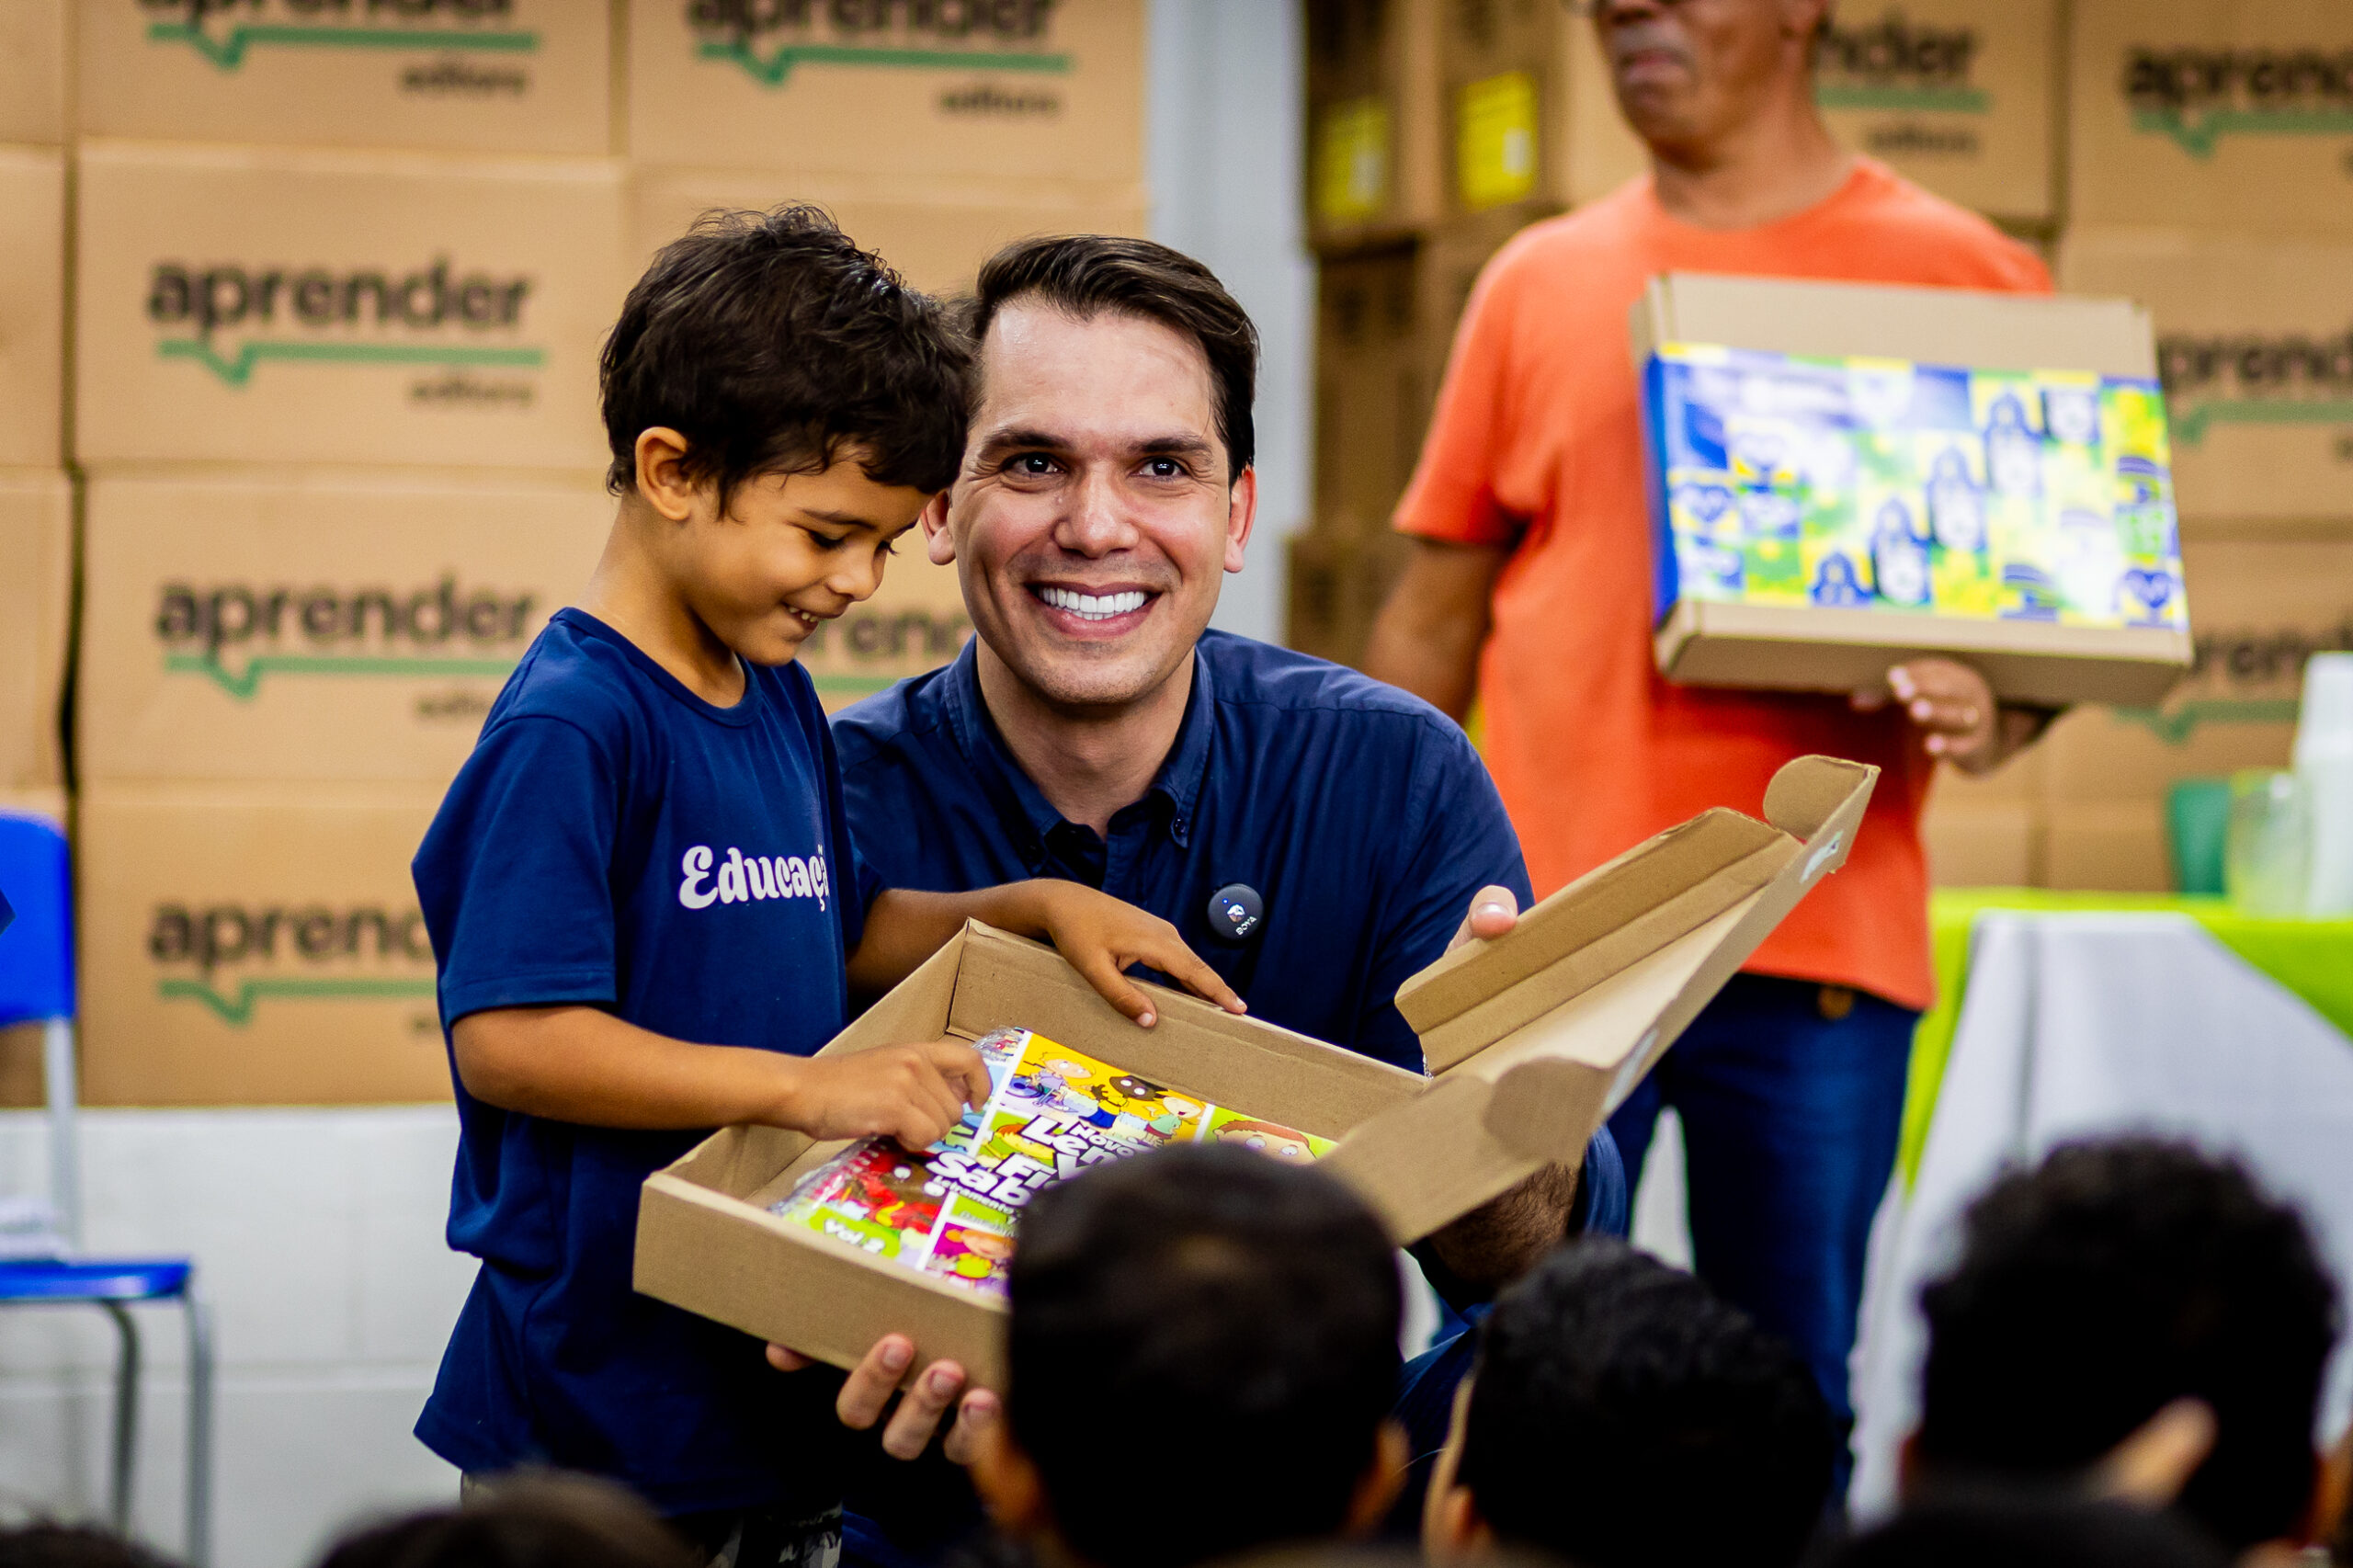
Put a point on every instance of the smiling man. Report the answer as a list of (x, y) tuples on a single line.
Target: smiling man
[(1315, 835)]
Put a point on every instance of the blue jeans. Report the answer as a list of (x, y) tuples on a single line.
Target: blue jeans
[(1790, 1123)]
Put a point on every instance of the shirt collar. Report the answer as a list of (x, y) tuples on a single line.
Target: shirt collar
[(1018, 799)]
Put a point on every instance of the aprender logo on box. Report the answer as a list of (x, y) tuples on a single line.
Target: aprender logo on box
[(1893, 63), (2251, 379), (228, 32), (935, 35), (411, 317), (2243, 674), (2197, 96), (307, 952), (235, 635)]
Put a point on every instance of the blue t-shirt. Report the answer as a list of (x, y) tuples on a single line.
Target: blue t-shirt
[(1360, 817), (616, 841)]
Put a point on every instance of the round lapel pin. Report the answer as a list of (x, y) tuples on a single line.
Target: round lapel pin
[(1236, 912)]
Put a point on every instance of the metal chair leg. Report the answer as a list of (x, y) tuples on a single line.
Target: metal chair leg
[(126, 1417), (199, 1547)]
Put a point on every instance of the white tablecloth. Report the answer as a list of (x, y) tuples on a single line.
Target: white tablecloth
[(2081, 1024)]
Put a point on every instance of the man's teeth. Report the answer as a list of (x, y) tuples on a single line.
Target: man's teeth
[(1092, 606), (804, 617)]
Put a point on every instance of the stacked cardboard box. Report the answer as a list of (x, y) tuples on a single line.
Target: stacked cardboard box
[(934, 135), (340, 284), (1437, 129), (2208, 154), (36, 491)]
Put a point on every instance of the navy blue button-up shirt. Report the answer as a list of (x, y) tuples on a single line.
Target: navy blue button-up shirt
[(1360, 815)]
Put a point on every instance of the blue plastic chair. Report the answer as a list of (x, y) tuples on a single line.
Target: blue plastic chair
[(37, 984)]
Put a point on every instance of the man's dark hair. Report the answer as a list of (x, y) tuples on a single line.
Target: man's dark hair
[(773, 344), (1203, 1346), (1978, 1528), (532, 1521), (2112, 1280), (1086, 275), (1623, 1416)]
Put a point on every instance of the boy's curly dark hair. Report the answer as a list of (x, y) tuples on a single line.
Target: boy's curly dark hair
[(2115, 1278), (773, 344), (1623, 1416)]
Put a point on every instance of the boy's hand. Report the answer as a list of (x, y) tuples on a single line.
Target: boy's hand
[(866, 1394), (1101, 936), (912, 1093)]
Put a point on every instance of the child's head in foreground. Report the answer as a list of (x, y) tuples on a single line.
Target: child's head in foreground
[(780, 406), (2110, 1281), (545, 1521), (1622, 1415), (1202, 1352)]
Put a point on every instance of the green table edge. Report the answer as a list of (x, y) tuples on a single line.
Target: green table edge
[(2313, 958)]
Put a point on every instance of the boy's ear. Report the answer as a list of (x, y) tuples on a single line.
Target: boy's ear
[(1007, 1480), (1450, 1523), (938, 542), (1378, 1487), (662, 475)]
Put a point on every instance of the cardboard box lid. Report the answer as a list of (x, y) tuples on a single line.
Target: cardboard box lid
[(1934, 326), (1537, 1036)]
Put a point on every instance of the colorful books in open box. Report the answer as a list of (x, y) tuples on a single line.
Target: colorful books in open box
[(948, 1212)]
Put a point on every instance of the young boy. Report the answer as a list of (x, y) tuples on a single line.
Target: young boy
[(645, 904), (1202, 1348), (2118, 1281), (1621, 1415)]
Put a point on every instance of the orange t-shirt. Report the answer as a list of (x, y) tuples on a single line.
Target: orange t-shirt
[(1536, 442)]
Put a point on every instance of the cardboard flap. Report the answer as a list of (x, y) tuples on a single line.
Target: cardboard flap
[(1611, 916), (1808, 793), (1597, 1016), (1928, 325)]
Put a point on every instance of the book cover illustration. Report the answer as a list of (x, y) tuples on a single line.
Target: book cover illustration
[(1887, 485), (948, 1212)]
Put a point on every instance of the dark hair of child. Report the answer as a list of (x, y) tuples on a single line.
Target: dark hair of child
[(551, 1521), (773, 344), (1203, 1346), (46, 1544), (2031, 1530), (1623, 1416), (2109, 1281), (1086, 275)]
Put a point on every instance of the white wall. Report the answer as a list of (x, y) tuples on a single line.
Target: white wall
[(1222, 140), (317, 1238)]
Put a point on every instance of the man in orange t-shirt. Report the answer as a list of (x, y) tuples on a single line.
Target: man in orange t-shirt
[(1531, 582)]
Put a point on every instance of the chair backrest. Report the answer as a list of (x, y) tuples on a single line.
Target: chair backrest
[(37, 947), (37, 984)]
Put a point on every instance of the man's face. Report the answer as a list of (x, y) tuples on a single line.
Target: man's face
[(1690, 71), (1094, 514)]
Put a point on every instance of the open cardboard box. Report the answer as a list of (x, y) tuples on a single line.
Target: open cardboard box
[(1533, 1039), (1794, 637)]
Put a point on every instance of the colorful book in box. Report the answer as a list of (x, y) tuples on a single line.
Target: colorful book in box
[(950, 1211), (1877, 484)]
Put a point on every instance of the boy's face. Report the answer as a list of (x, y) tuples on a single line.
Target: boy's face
[(791, 551), (1095, 513)]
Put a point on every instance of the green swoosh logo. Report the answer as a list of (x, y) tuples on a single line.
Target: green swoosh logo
[(772, 71), (228, 52), (1945, 100), (2190, 424), (242, 686), (238, 1010), (238, 370), (2178, 726), (2199, 139)]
